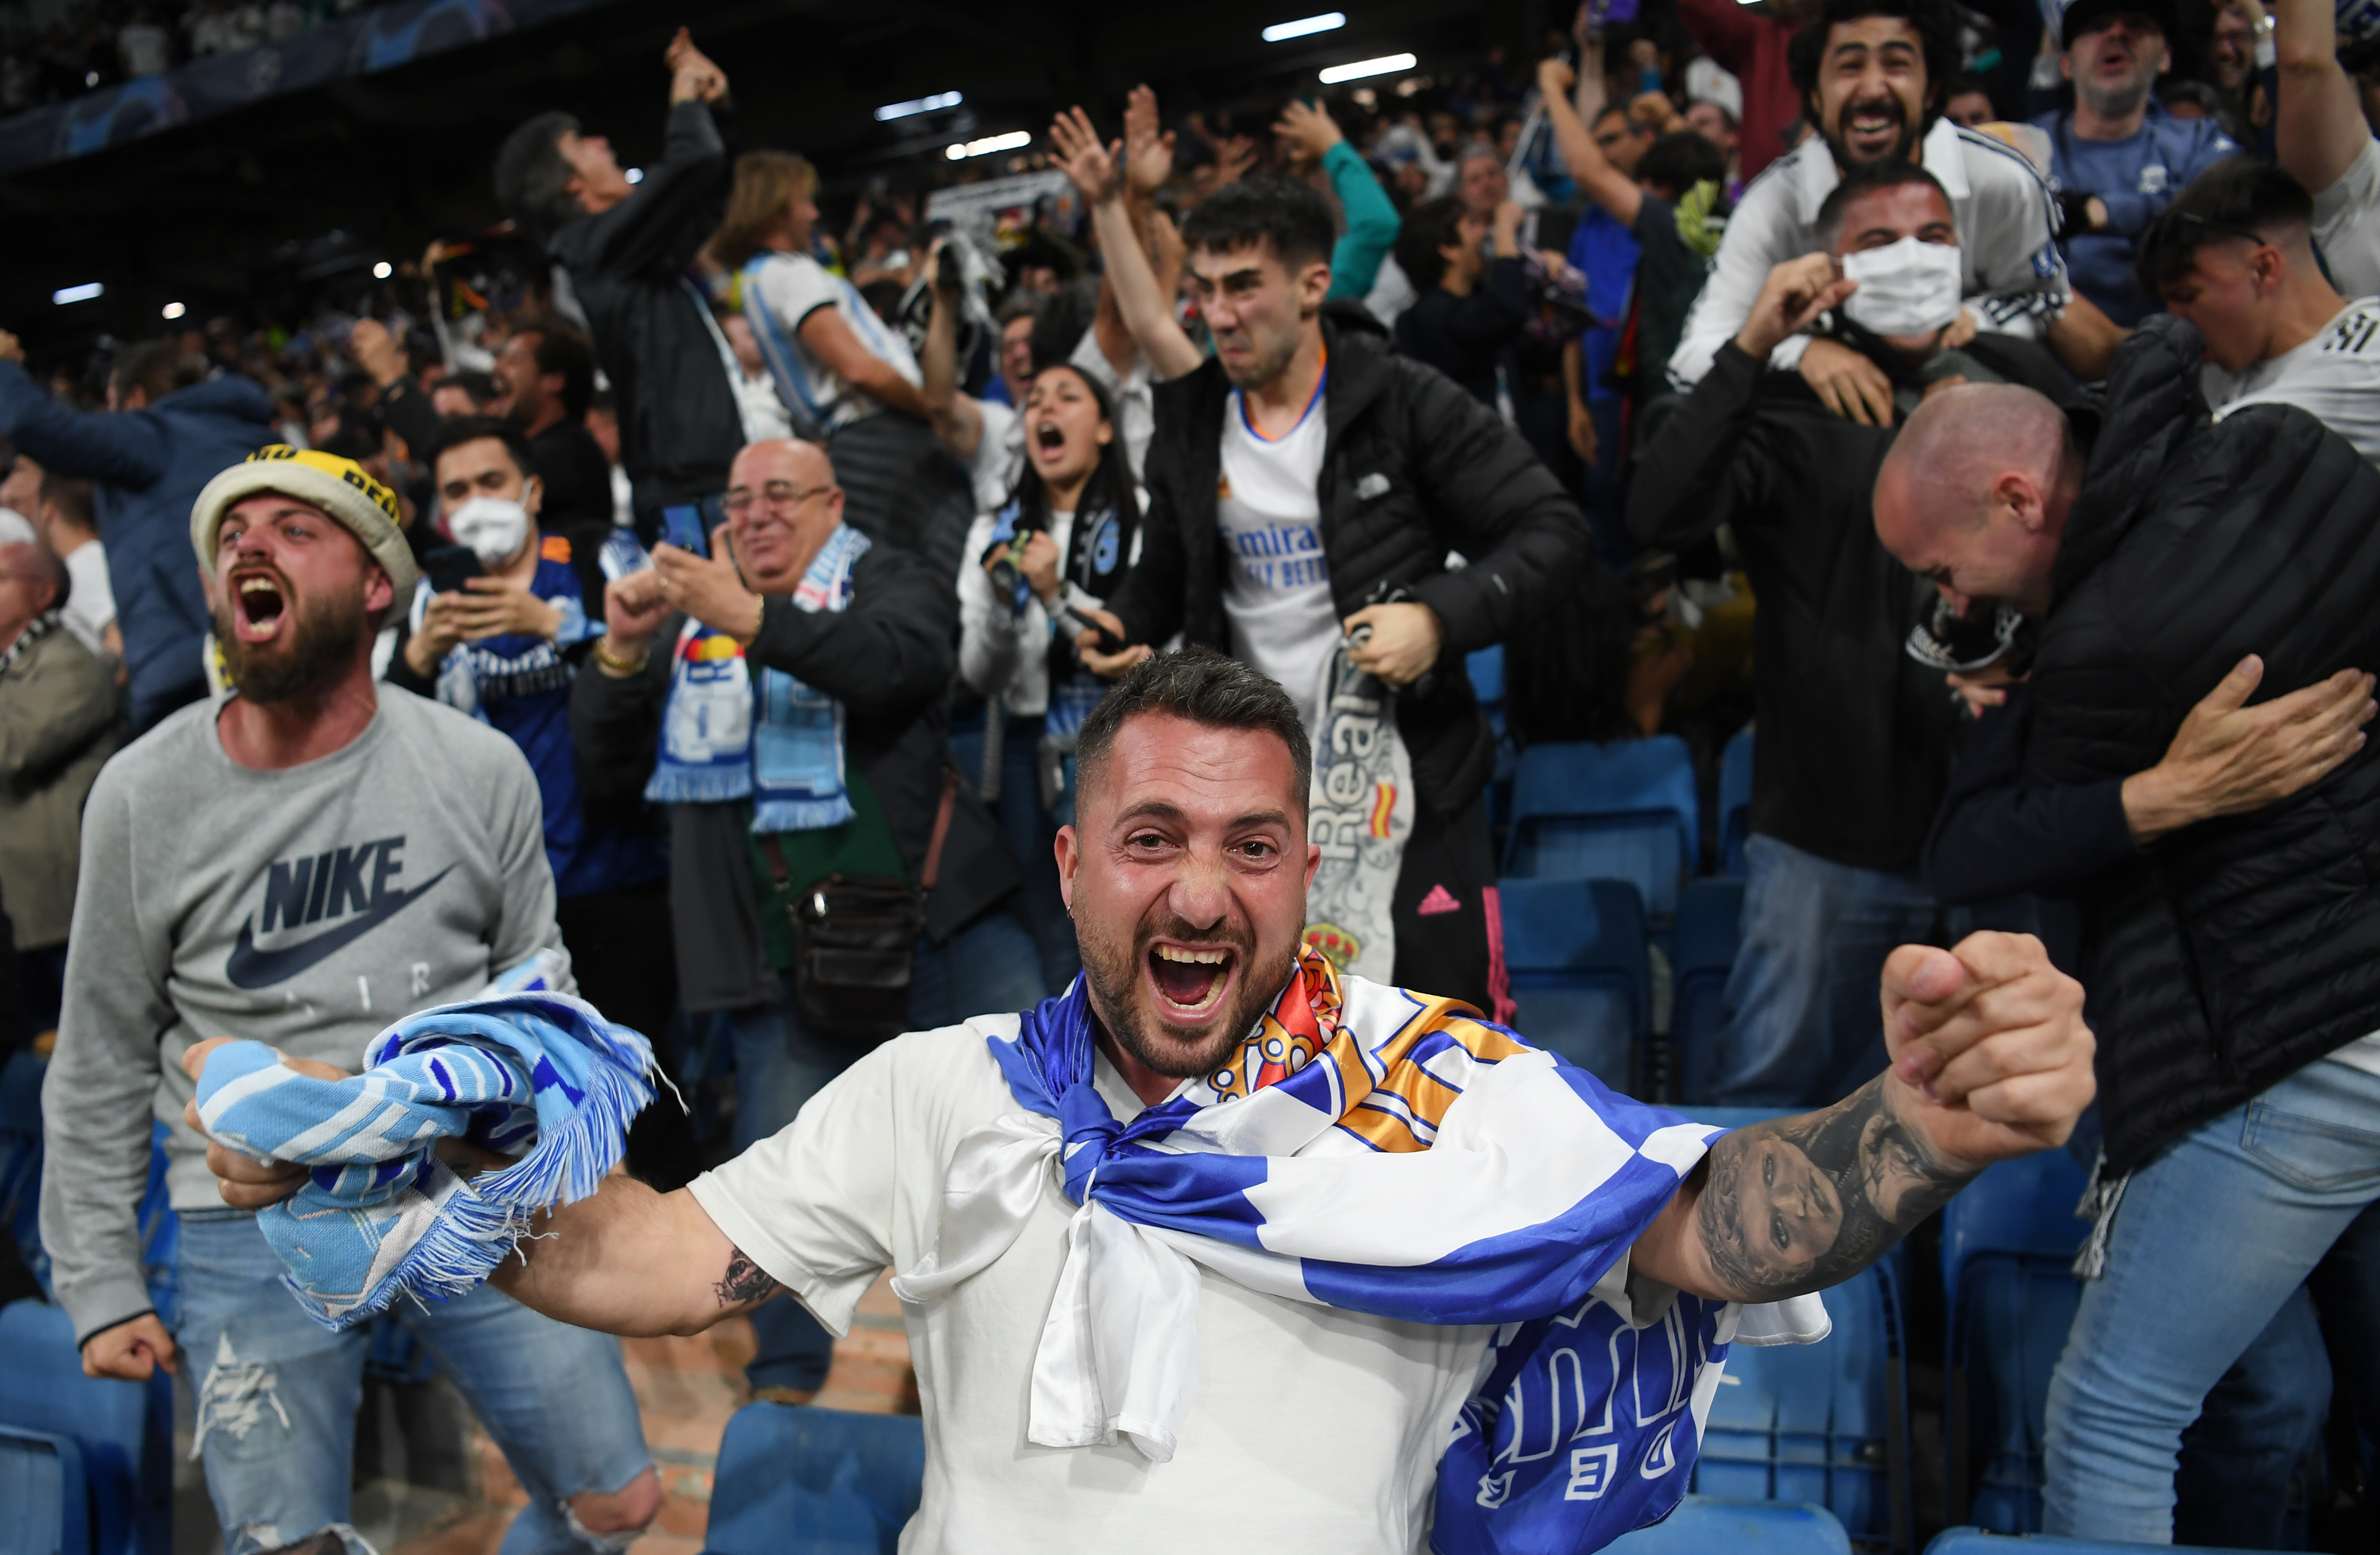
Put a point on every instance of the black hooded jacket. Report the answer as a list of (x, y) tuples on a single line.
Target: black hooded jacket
[(1412, 467), (2223, 957)]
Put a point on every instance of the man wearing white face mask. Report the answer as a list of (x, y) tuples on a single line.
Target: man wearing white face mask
[(505, 647), (1855, 736)]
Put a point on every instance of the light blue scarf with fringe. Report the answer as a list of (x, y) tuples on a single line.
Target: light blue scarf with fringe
[(728, 735), (380, 1217)]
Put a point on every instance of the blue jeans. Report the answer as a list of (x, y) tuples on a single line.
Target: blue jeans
[(277, 1397), (1800, 1024), (2239, 1458), (2211, 1239), (988, 967)]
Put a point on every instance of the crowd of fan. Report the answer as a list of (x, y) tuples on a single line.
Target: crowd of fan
[(83, 48), (1615, 287)]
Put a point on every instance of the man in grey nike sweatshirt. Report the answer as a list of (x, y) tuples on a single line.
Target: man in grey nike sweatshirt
[(303, 863)]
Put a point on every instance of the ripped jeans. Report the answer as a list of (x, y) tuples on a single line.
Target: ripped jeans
[(278, 1394)]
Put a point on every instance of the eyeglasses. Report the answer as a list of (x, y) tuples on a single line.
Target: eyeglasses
[(780, 495)]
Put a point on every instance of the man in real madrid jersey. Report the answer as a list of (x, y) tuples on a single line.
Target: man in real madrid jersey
[(1317, 1212), (304, 862)]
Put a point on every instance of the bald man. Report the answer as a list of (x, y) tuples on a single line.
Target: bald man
[(836, 763), (2217, 851)]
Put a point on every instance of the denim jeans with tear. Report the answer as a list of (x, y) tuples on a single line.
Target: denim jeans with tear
[(278, 1392), (2210, 1240)]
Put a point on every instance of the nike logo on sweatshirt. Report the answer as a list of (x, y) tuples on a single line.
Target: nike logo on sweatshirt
[(310, 888)]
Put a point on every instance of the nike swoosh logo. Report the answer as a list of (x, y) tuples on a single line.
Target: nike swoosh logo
[(251, 968)]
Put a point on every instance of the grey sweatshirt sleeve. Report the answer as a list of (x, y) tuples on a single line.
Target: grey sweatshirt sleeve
[(98, 1100), (516, 834)]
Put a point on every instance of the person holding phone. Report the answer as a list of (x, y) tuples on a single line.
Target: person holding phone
[(1059, 545), (498, 630)]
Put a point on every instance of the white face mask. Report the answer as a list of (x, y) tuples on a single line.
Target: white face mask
[(1907, 287), (492, 526)]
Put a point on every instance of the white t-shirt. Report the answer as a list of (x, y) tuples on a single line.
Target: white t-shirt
[(2346, 224), (91, 600), (788, 289), (2334, 377), (1311, 1429), (1276, 580)]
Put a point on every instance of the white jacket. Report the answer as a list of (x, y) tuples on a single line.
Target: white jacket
[(2014, 277)]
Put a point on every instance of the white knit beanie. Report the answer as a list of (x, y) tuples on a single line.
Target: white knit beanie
[(341, 488)]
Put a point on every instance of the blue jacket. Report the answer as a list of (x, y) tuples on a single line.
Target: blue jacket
[(147, 466), (2136, 178)]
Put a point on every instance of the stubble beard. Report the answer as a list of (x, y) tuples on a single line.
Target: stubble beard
[(1120, 997)]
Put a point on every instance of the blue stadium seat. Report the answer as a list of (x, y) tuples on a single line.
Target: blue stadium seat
[(1710, 929), (41, 1491), (1487, 669), (1978, 1541), (124, 1431), (1622, 810), (1575, 955), (794, 1480), (1824, 1423), (1704, 1525), (1735, 801), (2007, 1241)]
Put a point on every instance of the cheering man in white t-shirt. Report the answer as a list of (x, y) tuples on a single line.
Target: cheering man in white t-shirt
[(2234, 255), (1308, 1201), (1306, 486)]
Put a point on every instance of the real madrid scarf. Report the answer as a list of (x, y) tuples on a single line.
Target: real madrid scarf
[(1360, 812), (537, 1074), (1384, 1152), (786, 754)]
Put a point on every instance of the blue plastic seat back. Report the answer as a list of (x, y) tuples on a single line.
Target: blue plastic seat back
[(1709, 929), (1818, 1423), (1487, 669), (1707, 1524), (2007, 1244), (815, 1481), (1622, 810), (1574, 957), (44, 1505), (1735, 801), (1976, 1541), (123, 1430)]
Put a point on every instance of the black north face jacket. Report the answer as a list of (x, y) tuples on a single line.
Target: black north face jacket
[(1412, 467), (2226, 956)]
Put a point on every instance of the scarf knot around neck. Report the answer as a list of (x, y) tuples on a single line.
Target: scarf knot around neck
[(1384, 1152), (729, 735), (535, 1075)]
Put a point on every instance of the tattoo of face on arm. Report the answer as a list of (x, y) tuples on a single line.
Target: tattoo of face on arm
[(745, 1284), (1806, 1202)]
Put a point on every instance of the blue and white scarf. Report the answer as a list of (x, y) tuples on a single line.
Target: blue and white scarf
[(380, 1217), (786, 754), (1383, 1152)]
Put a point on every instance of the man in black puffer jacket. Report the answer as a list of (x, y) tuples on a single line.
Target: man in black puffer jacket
[(1310, 481), (2232, 948)]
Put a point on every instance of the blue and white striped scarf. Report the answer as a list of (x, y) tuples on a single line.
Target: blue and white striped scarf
[(1383, 1152), (380, 1218), (778, 742)]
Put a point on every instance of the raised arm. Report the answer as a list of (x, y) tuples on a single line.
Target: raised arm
[(955, 417), (1593, 172), (1990, 1060), (1099, 173), (2318, 128)]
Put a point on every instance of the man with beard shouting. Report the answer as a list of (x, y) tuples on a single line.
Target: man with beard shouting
[(1873, 74), (1311, 1200), (304, 862)]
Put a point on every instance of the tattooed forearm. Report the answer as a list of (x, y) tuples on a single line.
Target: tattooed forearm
[(745, 1284), (1806, 1202)]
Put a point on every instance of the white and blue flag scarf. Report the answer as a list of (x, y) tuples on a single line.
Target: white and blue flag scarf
[(1383, 1152), (380, 1218), (776, 742)]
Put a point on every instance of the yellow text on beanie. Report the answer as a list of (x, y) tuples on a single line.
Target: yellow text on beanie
[(341, 488)]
